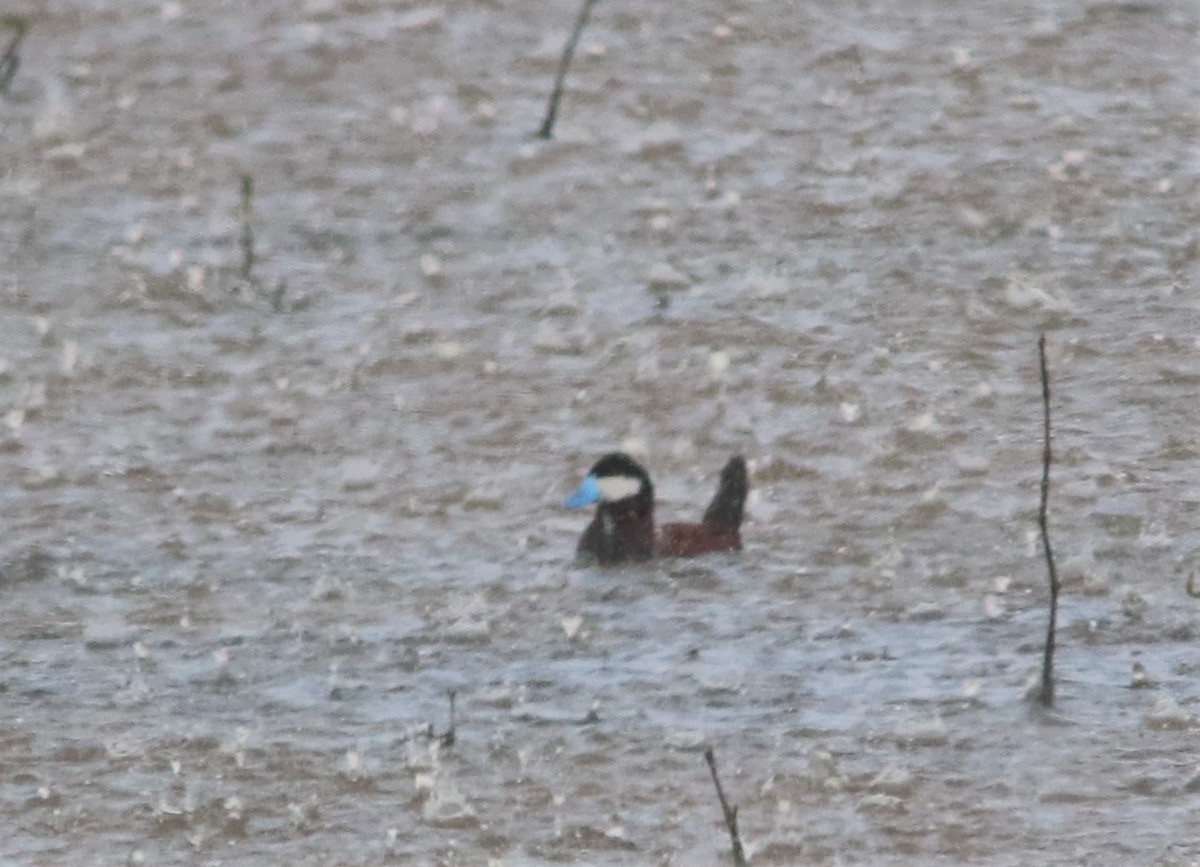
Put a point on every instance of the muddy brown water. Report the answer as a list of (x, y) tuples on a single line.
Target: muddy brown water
[(255, 533)]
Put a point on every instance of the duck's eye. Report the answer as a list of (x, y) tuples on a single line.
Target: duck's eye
[(614, 488)]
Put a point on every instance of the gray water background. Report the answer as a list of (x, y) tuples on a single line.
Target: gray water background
[(253, 533)]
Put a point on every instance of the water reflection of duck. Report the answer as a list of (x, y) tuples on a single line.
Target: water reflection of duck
[(623, 527)]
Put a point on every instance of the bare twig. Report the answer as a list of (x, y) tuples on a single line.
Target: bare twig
[(547, 130), (247, 226), (10, 60), (1047, 693), (739, 853), (448, 738)]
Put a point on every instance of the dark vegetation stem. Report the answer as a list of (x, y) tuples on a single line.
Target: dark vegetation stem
[(739, 853), (247, 226), (1047, 692), (547, 130), (451, 734), (10, 60)]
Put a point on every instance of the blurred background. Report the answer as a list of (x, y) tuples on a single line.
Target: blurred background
[(257, 526)]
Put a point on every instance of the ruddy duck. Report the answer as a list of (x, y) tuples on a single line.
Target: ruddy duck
[(623, 528)]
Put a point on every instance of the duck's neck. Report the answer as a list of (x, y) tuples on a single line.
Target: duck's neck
[(621, 532)]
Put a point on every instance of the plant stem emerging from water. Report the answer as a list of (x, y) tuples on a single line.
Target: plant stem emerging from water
[(739, 853), (449, 736), (547, 130), (1047, 693), (247, 226), (10, 60)]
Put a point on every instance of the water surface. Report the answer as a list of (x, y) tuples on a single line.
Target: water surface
[(256, 532)]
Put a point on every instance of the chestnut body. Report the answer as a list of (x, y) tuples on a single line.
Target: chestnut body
[(691, 540)]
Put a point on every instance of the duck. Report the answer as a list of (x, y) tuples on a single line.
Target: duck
[(622, 529)]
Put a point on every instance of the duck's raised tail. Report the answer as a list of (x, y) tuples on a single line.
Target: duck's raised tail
[(725, 510)]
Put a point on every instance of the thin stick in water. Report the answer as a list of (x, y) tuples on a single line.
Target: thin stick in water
[(739, 852), (450, 735), (10, 60), (247, 226), (547, 130), (1047, 693)]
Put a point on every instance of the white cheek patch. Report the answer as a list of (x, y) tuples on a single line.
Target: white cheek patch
[(613, 488)]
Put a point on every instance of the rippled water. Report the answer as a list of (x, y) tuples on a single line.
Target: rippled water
[(255, 533)]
